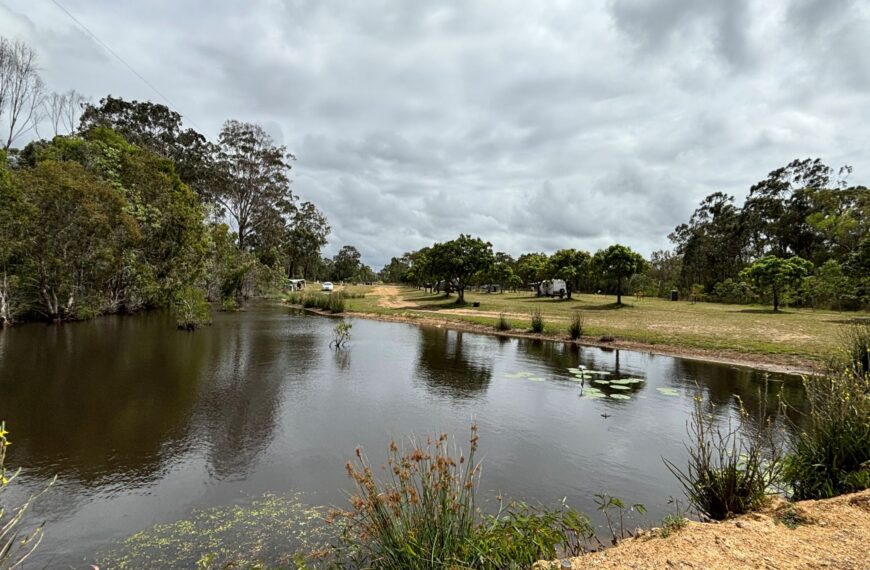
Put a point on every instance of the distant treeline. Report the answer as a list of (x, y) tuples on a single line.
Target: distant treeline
[(802, 237), (121, 208)]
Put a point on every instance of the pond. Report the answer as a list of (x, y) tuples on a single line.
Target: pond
[(143, 424)]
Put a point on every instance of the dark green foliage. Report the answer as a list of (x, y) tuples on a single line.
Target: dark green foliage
[(460, 262), (730, 468), (831, 453), (537, 321), (618, 263), (502, 324), (777, 274)]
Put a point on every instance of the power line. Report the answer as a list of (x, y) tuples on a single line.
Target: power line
[(119, 58)]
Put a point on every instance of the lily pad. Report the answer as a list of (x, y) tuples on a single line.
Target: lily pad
[(594, 396), (619, 387), (668, 391), (619, 397), (602, 382), (623, 381)]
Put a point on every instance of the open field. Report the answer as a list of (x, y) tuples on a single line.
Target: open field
[(798, 338)]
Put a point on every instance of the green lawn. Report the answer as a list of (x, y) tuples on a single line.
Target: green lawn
[(801, 333)]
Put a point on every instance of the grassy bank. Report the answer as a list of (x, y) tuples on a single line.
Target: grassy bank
[(792, 335)]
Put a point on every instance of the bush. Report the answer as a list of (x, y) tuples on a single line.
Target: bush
[(336, 302), (728, 473), (15, 546), (737, 292), (191, 309), (423, 516), (831, 454), (537, 321), (575, 329), (502, 324)]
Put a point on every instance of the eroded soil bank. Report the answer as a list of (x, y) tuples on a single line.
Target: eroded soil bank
[(832, 533)]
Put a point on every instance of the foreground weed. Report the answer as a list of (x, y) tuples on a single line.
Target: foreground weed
[(730, 467)]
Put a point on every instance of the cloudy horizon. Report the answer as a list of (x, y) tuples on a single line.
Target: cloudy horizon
[(536, 126)]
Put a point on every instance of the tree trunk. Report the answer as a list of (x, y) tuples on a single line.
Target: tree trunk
[(619, 290), (5, 311), (775, 299), (461, 295)]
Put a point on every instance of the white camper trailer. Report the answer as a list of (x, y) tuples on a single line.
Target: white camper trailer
[(552, 288)]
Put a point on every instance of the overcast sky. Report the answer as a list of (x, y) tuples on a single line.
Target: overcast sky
[(536, 125)]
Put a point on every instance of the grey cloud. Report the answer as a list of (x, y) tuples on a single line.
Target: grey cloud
[(537, 125)]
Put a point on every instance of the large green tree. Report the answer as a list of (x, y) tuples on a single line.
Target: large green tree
[(346, 263), (254, 187), (159, 129), (461, 262), (571, 265), (306, 236), (619, 263), (77, 234), (777, 274)]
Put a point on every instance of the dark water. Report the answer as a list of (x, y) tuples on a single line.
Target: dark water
[(142, 423)]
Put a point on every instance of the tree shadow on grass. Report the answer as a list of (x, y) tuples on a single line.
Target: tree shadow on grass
[(607, 307), (762, 312)]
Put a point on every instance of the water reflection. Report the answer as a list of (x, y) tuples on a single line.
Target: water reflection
[(451, 363), (68, 388), (144, 424)]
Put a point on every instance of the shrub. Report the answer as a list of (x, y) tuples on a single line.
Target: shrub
[(15, 546), (537, 321), (502, 324), (575, 328), (340, 334), (336, 302), (191, 309), (423, 516), (672, 523), (729, 470), (831, 454)]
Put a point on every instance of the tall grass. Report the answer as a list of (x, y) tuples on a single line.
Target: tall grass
[(332, 302), (502, 324), (730, 467), (856, 349), (575, 327), (422, 516), (537, 321), (831, 454), (16, 546)]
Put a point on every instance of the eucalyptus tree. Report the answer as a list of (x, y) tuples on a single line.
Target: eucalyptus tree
[(346, 263), (160, 130), (306, 236), (254, 185), (62, 111)]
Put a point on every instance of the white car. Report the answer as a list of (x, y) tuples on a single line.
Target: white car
[(327, 286)]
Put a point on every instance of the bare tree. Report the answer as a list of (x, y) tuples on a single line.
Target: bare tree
[(21, 89), (63, 110)]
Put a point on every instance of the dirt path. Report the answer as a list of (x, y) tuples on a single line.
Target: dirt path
[(835, 534)]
